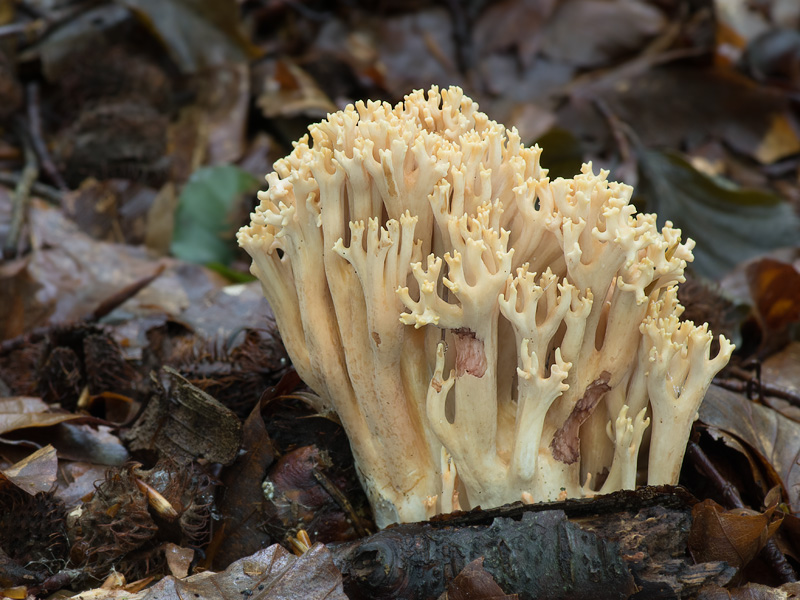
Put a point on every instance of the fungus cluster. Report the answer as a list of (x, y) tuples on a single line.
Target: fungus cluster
[(485, 334)]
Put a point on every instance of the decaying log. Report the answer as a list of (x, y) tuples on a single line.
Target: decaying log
[(624, 545)]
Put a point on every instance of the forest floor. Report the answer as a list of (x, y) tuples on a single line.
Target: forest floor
[(133, 137)]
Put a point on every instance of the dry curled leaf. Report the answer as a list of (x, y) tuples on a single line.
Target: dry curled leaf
[(783, 370), (242, 493), (734, 536), (751, 591), (771, 436), (21, 412), (775, 288), (34, 473), (475, 583), (270, 574), (179, 559), (197, 34), (610, 30), (288, 91)]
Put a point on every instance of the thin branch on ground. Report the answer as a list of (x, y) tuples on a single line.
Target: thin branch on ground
[(37, 137), (42, 190), (751, 384), (22, 192), (771, 554)]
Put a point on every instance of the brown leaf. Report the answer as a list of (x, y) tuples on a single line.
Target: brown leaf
[(179, 559), (521, 22), (775, 288), (780, 141), (70, 275), (722, 105), (102, 209), (243, 495), (415, 50), (76, 480), (23, 412), (475, 583), (788, 538), (226, 96), (91, 442), (270, 574), (609, 30), (782, 369), (288, 91), (773, 437), (35, 473), (197, 33), (734, 536), (751, 591)]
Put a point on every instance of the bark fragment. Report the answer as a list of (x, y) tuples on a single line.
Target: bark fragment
[(566, 444), (470, 356)]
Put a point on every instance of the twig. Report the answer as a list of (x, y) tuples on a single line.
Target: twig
[(30, 9), (658, 52), (341, 500), (309, 13), (461, 35), (44, 22), (38, 188), (752, 385), (32, 29), (770, 553), (22, 193), (37, 138), (626, 170)]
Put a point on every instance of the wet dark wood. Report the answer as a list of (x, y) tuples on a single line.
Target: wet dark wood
[(624, 545)]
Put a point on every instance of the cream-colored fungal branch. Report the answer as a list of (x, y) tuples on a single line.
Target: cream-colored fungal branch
[(485, 335)]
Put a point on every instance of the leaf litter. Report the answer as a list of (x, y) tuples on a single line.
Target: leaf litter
[(126, 316)]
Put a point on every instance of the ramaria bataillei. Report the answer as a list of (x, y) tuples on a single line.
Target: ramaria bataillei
[(485, 334)]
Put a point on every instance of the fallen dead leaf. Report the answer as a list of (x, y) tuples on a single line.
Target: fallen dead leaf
[(730, 224), (734, 536), (179, 559), (751, 591), (475, 583), (609, 30), (242, 496), (288, 91), (772, 437), (35, 473), (198, 34), (780, 141), (226, 97), (23, 412), (270, 574), (775, 288), (76, 480), (521, 22), (782, 369), (416, 50)]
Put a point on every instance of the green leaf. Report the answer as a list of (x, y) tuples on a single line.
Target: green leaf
[(197, 33), (230, 274), (203, 230), (730, 224)]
